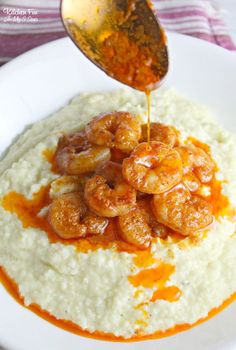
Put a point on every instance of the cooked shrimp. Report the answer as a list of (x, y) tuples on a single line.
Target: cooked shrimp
[(75, 155), (70, 218), (161, 133), (106, 201), (137, 225), (73, 163), (182, 211), (191, 181), (77, 140), (117, 155), (95, 224), (153, 169), (118, 129), (111, 171), (134, 228), (144, 205), (67, 184), (197, 161)]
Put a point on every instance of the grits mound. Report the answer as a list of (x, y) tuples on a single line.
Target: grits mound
[(108, 290)]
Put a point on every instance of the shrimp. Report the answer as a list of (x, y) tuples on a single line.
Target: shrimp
[(96, 225), (153, 168), (75, 155), (67, 184), (106, 201), (70, 218), (74, 163), (144, 205), (77, 140), (118, 129), (197, 163), (137, 226), (134, 228), (111, 171), (117, 155), (161, 133), (191, 181), (182, 211)]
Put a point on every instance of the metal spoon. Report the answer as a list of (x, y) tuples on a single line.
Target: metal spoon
[(122, 37)]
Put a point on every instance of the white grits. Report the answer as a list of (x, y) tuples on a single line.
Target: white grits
[(92, 289)]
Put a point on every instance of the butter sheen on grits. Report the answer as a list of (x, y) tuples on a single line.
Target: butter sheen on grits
[(94, 289)]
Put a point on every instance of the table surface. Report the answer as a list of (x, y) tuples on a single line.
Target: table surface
[(228, 8)]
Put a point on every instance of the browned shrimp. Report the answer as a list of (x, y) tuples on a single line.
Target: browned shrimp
[(70, 218), (106, 201), (95, 224), (191, 181), (198, 167), (153, 169), (161, 133), (181, 211), (75, 155), (67, 184), (137, 226), (144, 205), (118, 129), (77, 140), (111, 171), (134, 228)]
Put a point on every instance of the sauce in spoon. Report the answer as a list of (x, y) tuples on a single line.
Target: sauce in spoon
[(123, 38)]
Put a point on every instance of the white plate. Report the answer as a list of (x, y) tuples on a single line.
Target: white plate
[(44, 79)]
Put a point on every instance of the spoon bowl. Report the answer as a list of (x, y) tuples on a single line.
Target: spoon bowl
[(122, 37)]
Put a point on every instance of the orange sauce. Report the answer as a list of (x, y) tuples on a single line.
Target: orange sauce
[(127, 62), (198, 143), (220, 203), (148, 96), (50, 155), (27, 211), (153, 277), (119, 56), (69, 326), (170, 294), (144, 258)]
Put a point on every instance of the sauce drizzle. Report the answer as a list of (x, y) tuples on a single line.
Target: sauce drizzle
[(148, 97)]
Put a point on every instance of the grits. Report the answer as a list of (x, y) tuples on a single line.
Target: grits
[(93, 290)]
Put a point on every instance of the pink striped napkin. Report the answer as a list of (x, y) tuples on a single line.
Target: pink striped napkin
[(38, 21)]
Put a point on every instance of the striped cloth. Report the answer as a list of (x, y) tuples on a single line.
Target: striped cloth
[(25, 24)]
